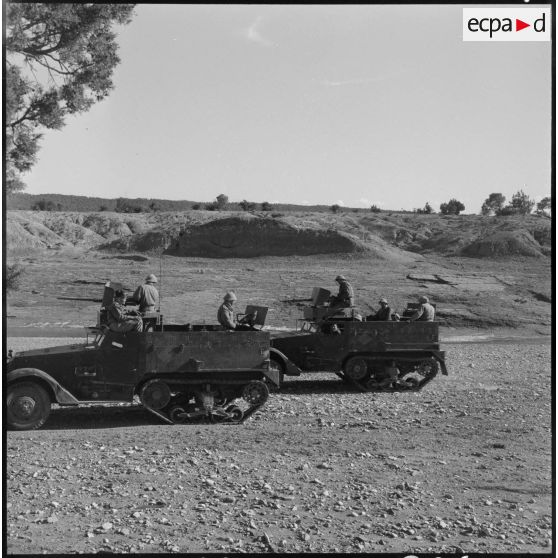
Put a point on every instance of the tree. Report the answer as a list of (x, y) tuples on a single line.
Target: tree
[(493, 204), (334, 208), (375, 209), (247, 206), (222, 201), (426, 210), (544, 207), (453, 207), (521, 204), (59, 61), (266, 206)]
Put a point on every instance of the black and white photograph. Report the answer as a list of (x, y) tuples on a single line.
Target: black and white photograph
[(279, 278)]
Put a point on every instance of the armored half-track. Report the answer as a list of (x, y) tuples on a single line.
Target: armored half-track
[(371, 355), (179, 372)]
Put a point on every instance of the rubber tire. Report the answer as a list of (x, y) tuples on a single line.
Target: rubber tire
[(42, 405), (247, 392), (356, 369)]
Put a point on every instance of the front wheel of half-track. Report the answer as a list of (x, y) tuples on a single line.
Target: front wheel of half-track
[(27, 406)]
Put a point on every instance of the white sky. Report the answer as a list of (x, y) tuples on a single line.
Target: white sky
[(312, 104)]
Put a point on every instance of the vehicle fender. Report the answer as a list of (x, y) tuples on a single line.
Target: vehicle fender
[(61, 395), (290, 368)]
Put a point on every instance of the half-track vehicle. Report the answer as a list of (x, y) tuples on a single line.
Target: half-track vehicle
[(179, 372), (371, 355)]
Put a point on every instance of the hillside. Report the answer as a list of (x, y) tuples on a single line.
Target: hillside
[(215, 234), (482, 272)]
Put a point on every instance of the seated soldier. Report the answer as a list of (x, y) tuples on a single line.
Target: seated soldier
[(120, 319), (425, 312), (345, 298), (147, 295), (383, 314), (227, 318)]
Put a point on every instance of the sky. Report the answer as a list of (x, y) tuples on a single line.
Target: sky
[(317, 104)]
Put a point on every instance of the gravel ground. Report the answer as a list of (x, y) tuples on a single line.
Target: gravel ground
[(463, 466)]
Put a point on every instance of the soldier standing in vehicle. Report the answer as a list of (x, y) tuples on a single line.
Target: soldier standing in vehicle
[(120, 319), (425, 312), (383, 314), (227, 318), (147, 295), (345, 298)]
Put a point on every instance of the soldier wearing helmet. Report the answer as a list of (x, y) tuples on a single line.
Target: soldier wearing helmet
[(120, 319), (383, 314), (425, 312), (345, 298), (227, 318), (147, 295)]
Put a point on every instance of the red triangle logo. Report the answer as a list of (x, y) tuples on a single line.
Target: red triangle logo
[(519, 25)]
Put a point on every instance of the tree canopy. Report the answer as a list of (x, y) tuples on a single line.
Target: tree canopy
[(493, 204), (544, 207), (59, 61), (453, 207)]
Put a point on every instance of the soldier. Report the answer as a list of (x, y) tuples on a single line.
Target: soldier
[(383, 314), (120, 319), (345, 297), (227, 318), (147, 295), (425, 312)]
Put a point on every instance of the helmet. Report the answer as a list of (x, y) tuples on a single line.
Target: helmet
[(151, 278), (423, 299), (384, 300), (340, 278), (230, 296)]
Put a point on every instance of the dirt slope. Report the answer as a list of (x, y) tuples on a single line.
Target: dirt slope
[(388, 236)]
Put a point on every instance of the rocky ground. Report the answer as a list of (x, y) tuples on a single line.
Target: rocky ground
[(463, 466)]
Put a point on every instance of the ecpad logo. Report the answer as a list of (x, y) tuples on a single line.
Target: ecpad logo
[(506, 24)]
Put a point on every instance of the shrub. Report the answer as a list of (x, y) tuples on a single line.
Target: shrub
[(221, 201), (212, 206), (334, 208), (426, 210), (122, 206), (196, 206), (453, 207), (522, 203), (44, 205), (266, 206), (13, 276), (103, 208), (247, 206), (375, 209), (493, 204), (544, 207)]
